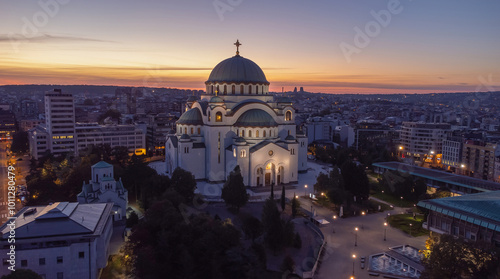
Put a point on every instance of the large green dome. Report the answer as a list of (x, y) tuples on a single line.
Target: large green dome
[(238, 70), (191, 117), (255, 118)]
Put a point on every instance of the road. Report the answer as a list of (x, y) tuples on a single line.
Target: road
[(338, 261), (20, 167)]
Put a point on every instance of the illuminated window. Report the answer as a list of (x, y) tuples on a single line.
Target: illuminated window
[(185, 130), (257, 133), (192, 130), (243, 153), (218, 117), (234, 153), (288, 116), (209, 116), (199, 131)]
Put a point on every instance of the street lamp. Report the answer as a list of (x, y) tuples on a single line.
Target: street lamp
[(305, 190), (385, 230), (401, 201), (353, 261), (362, 214), (411, 225), (356, 236)]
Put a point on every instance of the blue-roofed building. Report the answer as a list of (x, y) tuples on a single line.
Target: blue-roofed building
[(60, 240), (104, 188), (475, 216), (238, 122)]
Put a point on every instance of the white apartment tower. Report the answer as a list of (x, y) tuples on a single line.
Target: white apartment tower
[(60, 121)]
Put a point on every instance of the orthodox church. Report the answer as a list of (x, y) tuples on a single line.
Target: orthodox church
[(104, 188), (237, 122)]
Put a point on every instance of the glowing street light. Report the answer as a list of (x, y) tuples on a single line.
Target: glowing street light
[(353, 261), (411, 225), (305, 190), (385, 230), (356, 236)]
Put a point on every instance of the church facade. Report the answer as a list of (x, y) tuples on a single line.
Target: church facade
[(103, 188), (237, 122)]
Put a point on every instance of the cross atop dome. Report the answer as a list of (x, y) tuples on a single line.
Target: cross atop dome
[(237, 44)]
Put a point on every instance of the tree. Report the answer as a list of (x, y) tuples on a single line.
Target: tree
[(447, 257), (234, 192), (252, 227), (184, 183), (132, 220), (272, 225), (20, 142), (336, 196), (120, 153), (295, 205), (22, 274), (283, 202), (355, 180)]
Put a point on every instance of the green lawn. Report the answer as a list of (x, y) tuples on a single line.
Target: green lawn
[(403, 221), (393, 200)]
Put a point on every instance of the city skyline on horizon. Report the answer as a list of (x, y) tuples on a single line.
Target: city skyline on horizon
[(377, 47)]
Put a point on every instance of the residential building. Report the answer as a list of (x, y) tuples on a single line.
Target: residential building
[(60, 121), (478, 158), (64, 240), (93, 134), (157, 130), (420, 140)]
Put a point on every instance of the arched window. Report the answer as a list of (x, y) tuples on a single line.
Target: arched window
[(243, 153), (250, 133), (209, 116), (199, 131), (233, 89), (263, 89), (257, 133), (264, 133), (211, 89), (256, 90), (192, 130), (243, 133), (225, 89), (218, 117), (217, 90), (249, 90), (288, 115), (241, 89), (185, 130)]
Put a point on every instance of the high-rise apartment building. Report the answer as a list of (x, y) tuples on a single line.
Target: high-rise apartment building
[(60, 121), (420, 139)]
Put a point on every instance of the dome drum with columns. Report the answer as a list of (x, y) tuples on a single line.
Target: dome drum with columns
[(237, 122)]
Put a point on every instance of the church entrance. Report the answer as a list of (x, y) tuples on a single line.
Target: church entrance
[(268, 178), (270, 175)]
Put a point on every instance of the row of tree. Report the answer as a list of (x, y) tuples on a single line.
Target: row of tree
[(344, 183)]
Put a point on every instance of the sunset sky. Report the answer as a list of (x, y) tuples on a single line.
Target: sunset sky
[(426, 46)]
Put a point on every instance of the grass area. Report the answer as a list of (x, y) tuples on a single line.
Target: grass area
[(114, 269), (393, 200), (403, 221)]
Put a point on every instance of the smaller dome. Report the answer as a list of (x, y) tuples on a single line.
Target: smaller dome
[(289, 137), (185, 137), (216, 99), (191, 117), (255, 118)]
